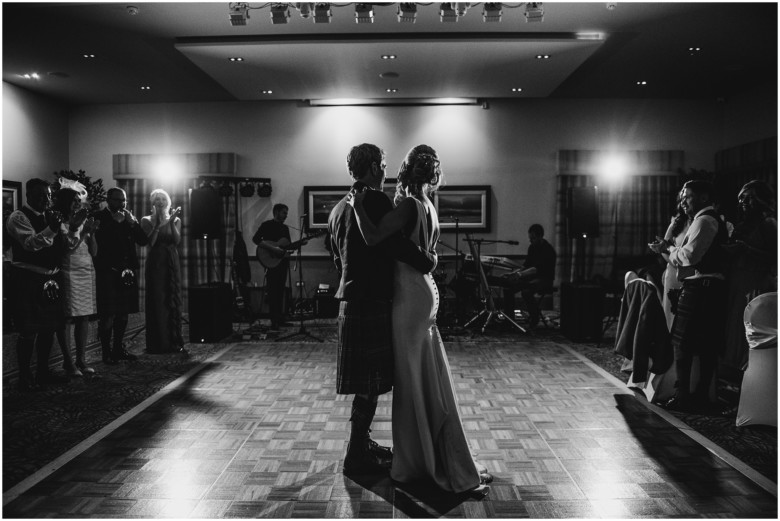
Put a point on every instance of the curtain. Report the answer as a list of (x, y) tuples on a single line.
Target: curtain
[(202, 261), (631, 211)]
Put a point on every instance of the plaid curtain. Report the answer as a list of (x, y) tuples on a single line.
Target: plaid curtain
[(630, 213), (202, 261)]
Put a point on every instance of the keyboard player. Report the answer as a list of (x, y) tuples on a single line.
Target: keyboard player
[(536, 276)]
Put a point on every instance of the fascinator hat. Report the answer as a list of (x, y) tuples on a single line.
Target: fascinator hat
[(75, 186)]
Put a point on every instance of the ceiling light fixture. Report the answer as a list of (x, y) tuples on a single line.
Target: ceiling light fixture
[(364, 13), (238, 12), (516, 89), (447, 12), (268, 92), (491, 12), (542, 56), (534, 12), (88, 55), (322, 14), (280, 13), (407, 12), (236, 59), (305, 8), (611, 6), (391, 90), (31, 76), (335, 102), (389, 56), (146, 87), (641, 83)]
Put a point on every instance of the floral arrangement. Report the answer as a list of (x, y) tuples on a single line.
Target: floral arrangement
[(96, 193)]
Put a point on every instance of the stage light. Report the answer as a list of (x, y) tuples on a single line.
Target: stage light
[(534, 12), (447, 12), (613, 168), (265, 190), (322, 14), (492, 12), (407, 12), (364, 13), (305, 8), (279, 13), (461, 8), (238, 13), (167, 167)]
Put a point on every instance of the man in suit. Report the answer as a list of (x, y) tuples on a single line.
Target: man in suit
[(116, 270), (35, 278), (365, 350)]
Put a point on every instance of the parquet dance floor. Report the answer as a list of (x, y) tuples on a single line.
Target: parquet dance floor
[(260, 432)]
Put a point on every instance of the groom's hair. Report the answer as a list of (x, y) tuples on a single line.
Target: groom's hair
[(361, 157)]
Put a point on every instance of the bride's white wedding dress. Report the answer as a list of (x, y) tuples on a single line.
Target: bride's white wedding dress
[(429, 443)]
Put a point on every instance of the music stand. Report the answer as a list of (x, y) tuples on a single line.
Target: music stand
[(302, 328), (489, 306)]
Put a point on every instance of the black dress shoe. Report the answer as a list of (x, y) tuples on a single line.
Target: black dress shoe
[(379, 450), (360, 460), (677, 403)]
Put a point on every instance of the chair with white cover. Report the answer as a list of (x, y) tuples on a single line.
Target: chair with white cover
[(758, 396)]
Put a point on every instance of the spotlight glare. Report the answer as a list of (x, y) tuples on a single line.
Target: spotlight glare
[(613, 168)]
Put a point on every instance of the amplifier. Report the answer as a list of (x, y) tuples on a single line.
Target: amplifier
[(582, 311)]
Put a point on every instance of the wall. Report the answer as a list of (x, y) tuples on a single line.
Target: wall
[(750, 116), (35, 135)]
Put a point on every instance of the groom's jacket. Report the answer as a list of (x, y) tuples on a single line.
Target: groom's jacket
[(367, 271)]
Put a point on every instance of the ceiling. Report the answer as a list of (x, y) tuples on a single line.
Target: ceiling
[(181, 51)]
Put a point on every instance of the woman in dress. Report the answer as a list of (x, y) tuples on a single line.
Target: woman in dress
[(428, 437), (163, 277), (78, 272), (753, 254)]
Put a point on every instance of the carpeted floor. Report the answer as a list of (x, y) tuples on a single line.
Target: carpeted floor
[(38, 427)]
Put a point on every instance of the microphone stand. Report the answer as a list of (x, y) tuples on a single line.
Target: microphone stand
[(302, 329)]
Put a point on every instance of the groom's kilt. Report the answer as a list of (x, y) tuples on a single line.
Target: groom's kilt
[(365, 364)]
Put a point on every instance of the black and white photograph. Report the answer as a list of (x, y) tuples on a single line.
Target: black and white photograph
[(320, 260)]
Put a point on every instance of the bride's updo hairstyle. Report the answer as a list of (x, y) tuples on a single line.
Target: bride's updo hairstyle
[(420, 172)]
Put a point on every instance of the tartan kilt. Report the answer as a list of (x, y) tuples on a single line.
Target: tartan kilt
[(365, 351), (699, 324)]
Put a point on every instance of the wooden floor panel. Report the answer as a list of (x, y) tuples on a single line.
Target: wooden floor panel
[(260, 432)]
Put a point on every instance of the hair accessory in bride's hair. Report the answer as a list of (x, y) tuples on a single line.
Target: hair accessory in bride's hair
[(75, 186)]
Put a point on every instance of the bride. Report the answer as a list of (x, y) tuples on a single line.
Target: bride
[(428, 438)]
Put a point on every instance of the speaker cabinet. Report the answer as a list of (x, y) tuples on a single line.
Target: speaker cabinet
[(582, 311), (205, 213), (583, 212), (210, 308)]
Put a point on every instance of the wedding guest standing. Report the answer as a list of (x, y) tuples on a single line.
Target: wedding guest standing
[(78, 272), (116, 266), (163, 277)]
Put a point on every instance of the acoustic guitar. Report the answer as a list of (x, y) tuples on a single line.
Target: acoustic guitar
[(271, 260)]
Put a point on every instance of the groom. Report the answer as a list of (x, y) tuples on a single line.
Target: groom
[(365, 350)]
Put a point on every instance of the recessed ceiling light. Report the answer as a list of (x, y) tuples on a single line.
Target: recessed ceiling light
[(89, 55), (31, 76), (516, 89), (391, 90), (389, 56), (268, 92), (236, 59), (641, 83), (542, 56), (145, 87)]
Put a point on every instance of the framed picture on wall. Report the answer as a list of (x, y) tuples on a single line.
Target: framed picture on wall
[(12, 197), (318, 201), (468, 206)]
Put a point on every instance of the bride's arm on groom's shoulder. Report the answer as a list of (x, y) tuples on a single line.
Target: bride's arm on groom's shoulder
[(391, 223)]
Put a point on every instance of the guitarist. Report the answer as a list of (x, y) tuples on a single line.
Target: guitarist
[(272, 236)]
